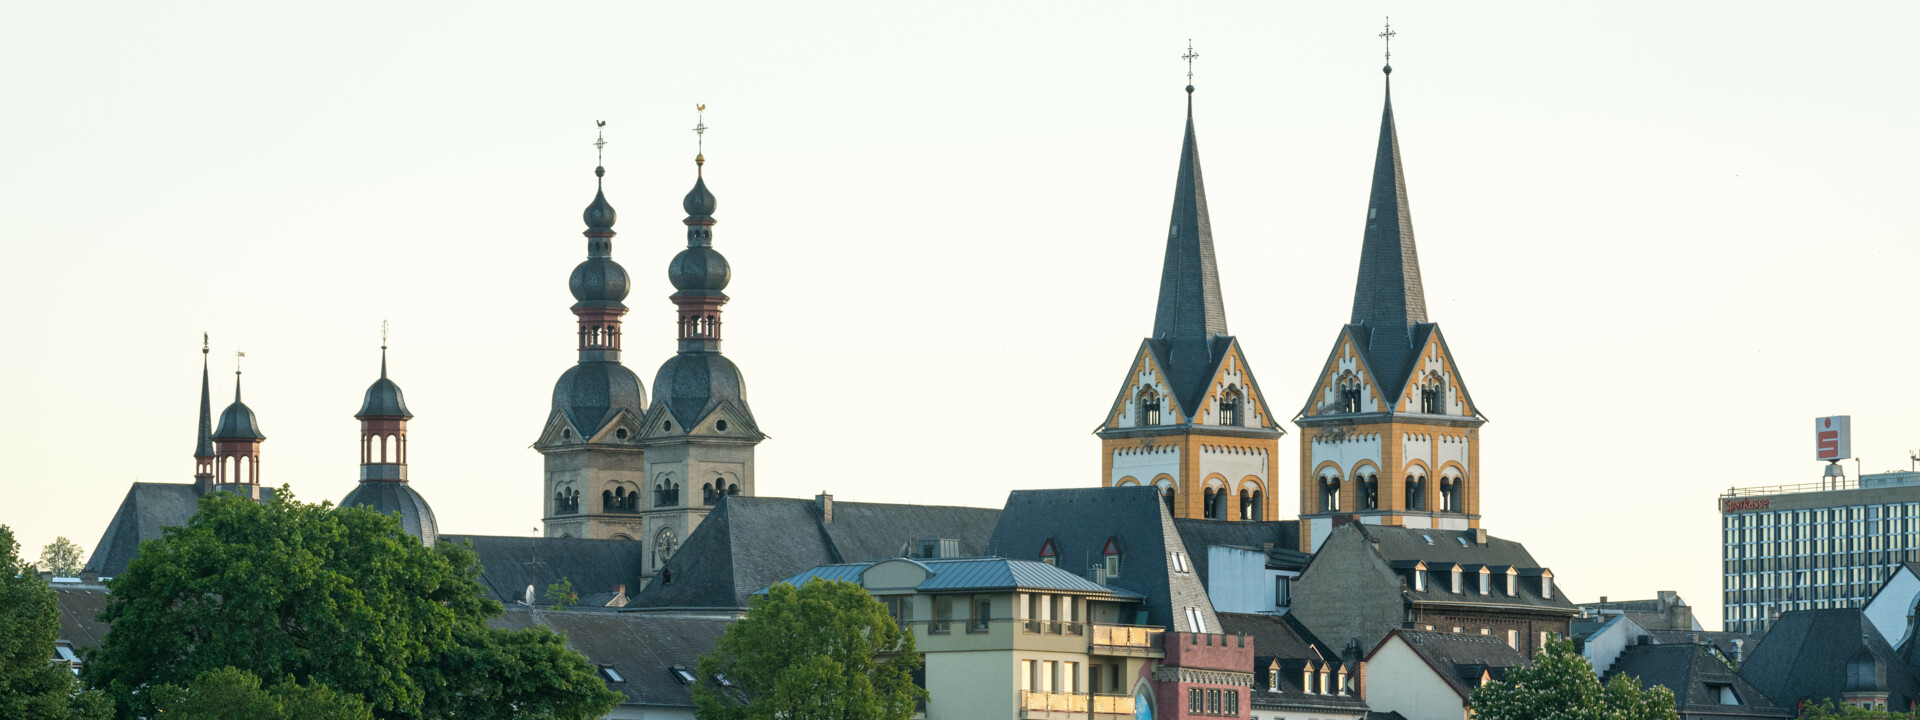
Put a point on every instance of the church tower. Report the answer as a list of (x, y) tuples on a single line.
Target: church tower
[(236, 447), (700, 433), (204, 457), (594, 471), (383, 485), (1389, 434), (1189, 418)]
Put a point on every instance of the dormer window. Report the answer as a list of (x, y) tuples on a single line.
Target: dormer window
[(1306, 679), (1486, 583), (1546, 585), (1273, 677), (1513, 585), (1230, 407), (1111, 555), (1047, 554), (1456, 580), (1148, 407), (1419, 580)]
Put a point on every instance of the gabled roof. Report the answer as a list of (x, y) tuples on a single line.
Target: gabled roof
[(1198, 535), (508, 565), (968, 574), (1081, 521), (748, 543), (147, 509), (1401, 546), (1279, 637), (1805, 652), (1688, 669), (1190, 312), (1455, 657), (642, 649)]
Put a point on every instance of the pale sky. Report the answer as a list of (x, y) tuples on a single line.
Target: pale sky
[(1661, 238)]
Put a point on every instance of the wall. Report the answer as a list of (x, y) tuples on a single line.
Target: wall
[(1399, 681), (964, 685), (1613, 638), (1238, 580), (1206, 661), (1144, 463), (1348, 592)]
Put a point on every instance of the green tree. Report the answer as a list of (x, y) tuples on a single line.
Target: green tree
[(561, 595), (63, 558), (234, 693), (825, 651), (1827, 710), (1560, 685), (31, 687), (335, 597)]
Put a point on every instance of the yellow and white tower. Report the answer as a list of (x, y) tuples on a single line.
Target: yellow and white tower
[(1190, 419), (1389, 434)]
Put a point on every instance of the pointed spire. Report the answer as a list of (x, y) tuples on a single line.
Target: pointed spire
[(383, 349), (236, 375), (204, 449), (1190, 313), (1388, 298)]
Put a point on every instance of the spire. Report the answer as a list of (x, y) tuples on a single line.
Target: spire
[(204, 449), (1388, 300), (383, 349), (1190, 313), (699, 273), (237, 354)]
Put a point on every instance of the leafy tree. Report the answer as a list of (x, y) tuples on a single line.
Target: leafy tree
[(63, 558), (1560, 685), (31, 687), (335, 597), (1827, 710), (561, 595), (824, 651), (234, 693)]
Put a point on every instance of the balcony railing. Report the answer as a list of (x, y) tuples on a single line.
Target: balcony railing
[(1833, 484), (1128, 638), (1054, 627), (1034, 702)]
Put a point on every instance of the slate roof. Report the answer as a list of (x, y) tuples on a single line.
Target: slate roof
[(203, 446), (1687, 669), (237, 422), (969, 574), (80, 608), (691, 385), (1279, 636), (1283, 640), (1199, 535), (1804, 656), (1389, 303), (509, 564), (383, 398), (1458, 658), (591, 393), (642, 648), (1190, 313), (1080, 521), (388, 497), (1722, 641), (1406, 545), (749, 543), (147, 508)]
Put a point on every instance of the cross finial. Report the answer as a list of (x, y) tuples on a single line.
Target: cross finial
[(700, 129), (383, 334), (600, 143), (1387, 35), (205, 345), (1189, 58)]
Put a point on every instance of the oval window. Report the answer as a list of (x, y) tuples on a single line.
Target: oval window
[(721, 426), (668, 425), (621, 433)]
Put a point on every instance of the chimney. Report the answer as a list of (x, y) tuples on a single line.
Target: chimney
[(1100, 574), (1603, 599), (1643, 640), (620, 589), (45, 575), (89, 577), (825, 503), (1480, 536), (1737, 650)]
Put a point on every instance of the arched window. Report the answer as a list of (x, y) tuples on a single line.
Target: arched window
[(1329, 493), (1433, 395), (1259, 505), (1230, 407), (1416, 492), (610, 501), (1369, 491), (733, 489), (1148, 407), (1450, 494), (1349, 394), (1166, 494), (1206, 507), (1246, 504)]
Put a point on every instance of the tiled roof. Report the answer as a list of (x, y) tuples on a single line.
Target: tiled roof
[(1688, 670), (1804, 657), (1081, 521), (1408, 545), (146, 510), (511, 564), (641, 648), (749, 543), (80, 607), (1452, 656)]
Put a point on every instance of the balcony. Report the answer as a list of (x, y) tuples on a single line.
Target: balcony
[(1053, 627), (1138, 640), (1048, 705)]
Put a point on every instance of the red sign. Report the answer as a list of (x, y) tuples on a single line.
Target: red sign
[(1832, 439), (1739, 505)]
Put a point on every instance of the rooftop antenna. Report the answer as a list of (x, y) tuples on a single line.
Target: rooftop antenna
[(1913, 459), (1387, 35), (600, 143), (700, 131)]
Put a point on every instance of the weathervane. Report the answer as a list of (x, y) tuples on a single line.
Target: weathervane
[(1387, 35), (237, 354), (205, 345), (1189, 58), (599, 146), (383, 334)]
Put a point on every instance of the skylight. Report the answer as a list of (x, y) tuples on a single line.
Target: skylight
[(1463, 541), (686, 678), (1429, 539), (612, 674)]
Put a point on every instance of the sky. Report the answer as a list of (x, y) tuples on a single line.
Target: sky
[(1661, 237)]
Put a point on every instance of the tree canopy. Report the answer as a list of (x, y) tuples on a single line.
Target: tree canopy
[(63, 558), (234, 693), (31, 687), (1561, 685), (339, 597), (1827, 710), (823, 651)]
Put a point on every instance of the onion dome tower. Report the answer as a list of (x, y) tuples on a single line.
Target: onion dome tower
[(700, 434), (1190, 419), (1389, 435), (383, 486), (204, 457), (236, 445), (590, 439)]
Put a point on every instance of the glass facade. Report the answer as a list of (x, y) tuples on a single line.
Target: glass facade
[(1813, 558)]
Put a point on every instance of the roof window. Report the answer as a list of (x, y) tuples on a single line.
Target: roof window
[(683, 675), (612, 674), (1429, 539), (1463, 541)]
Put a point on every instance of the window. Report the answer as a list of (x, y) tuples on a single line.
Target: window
[(982, 611), (1419, 580), (1722, 694), (1213, 701), (1026, 675), (1326, 684), (1230, 706), (1230, 407), (1049, 675), (1369, 491), (1196, 703), (899, 607), (1111, 554), (1047, 554), (1282, 591), (1456, 580), (1546, 586), (942, 614), (1416, 497), (612, 674), (1486, 582), (1543, 639), (683, 675), (1196, 620), (1513, 639), (1149, 407), (1069, 677), (1179, 562), (1329, 493), (1513, 584)]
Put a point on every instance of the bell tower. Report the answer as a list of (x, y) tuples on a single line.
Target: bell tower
[(1389, 434), (591, 440), (236, 446), (1190, 419), (700, 433)]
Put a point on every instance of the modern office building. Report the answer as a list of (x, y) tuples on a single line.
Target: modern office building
[(1814, 546)]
